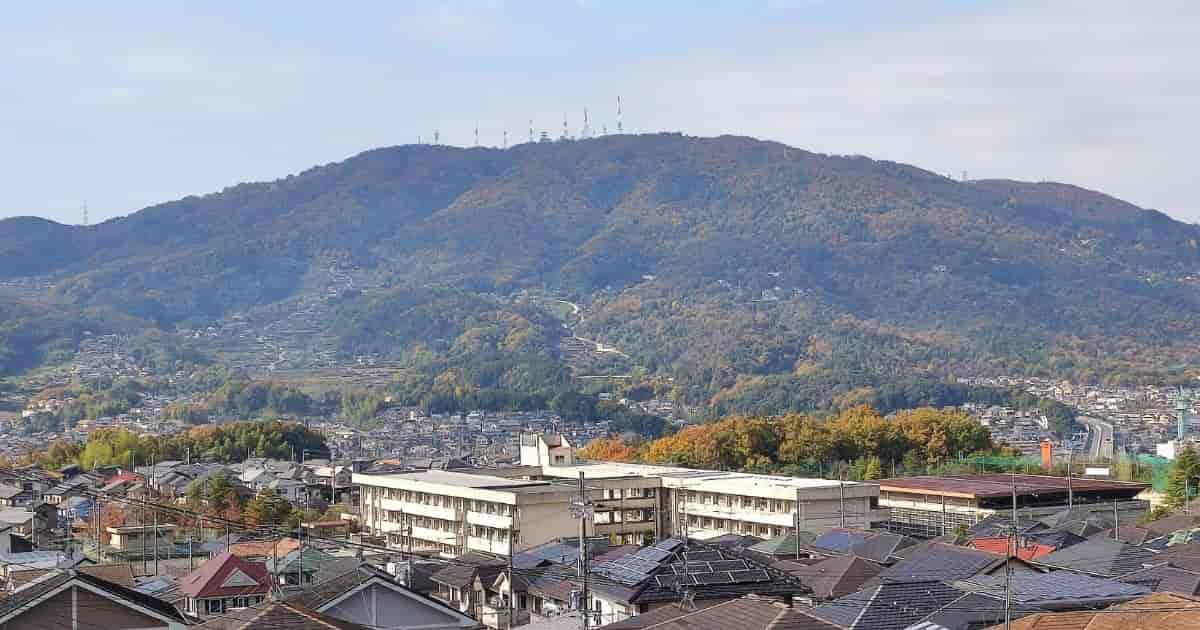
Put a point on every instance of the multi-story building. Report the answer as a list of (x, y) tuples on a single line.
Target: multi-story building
[(934, 506), (454, 512), (477, 509)]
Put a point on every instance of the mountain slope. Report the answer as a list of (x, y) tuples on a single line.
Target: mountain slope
[(764, 258)]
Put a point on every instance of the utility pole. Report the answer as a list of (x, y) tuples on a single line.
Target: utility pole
[(799, 506), (153, 467), (1070, 488), (1116, 521), (581, 509), (842, 497), (512, 533)]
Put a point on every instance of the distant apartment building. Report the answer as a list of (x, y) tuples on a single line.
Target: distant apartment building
[(479, 509)]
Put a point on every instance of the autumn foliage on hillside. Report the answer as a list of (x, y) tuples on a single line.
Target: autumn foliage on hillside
[(915, 441)]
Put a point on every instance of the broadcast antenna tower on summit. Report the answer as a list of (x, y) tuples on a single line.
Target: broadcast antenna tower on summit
[(586, 132), (85, 216), (620, 128)]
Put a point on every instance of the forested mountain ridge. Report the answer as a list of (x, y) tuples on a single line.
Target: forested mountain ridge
[(728, 263)]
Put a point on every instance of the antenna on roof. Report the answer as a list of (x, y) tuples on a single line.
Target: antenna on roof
[(620, 128)]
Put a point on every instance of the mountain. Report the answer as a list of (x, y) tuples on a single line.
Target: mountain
[(741, 268)]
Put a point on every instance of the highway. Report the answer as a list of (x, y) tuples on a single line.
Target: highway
[(1100, 437)]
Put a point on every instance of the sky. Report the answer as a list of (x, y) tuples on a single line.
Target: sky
[(124, 105)]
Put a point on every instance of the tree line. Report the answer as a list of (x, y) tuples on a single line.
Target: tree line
[(861, 439)]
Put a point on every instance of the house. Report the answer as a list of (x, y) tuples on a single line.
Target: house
[(1159, 610), (277, 614), (223, 582), (289, 489), (464, 586), (1057, 590), (743, 613), (654, 576), (1165, 578), (80, 601), (365, 595), (73, 508), (834, 577), (17, 496), (297, 567), (888, 605), (1102, 557), (947, 562)]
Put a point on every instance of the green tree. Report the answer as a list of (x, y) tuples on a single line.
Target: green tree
[(873, 469)]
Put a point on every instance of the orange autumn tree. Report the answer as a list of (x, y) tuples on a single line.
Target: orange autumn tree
[(800, 444), (612, 449)]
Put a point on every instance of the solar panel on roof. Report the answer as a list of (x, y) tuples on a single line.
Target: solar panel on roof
[(668, 544), (703, 556), (713, 578), (729, 565), (749, 575), (666, 581), (686, 580)]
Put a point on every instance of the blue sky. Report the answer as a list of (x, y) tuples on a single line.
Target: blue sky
[(128, 104)]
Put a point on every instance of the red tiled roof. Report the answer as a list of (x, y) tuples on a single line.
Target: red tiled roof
[(207, 580), (1000, 545)]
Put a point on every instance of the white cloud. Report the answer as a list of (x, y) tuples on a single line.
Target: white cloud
[(1100, 94)]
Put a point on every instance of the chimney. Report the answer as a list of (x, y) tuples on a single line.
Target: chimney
[(1047, 455)]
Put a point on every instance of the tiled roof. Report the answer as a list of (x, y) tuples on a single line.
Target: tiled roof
[(1026, 552), (1127, 534), (207, 580), (114, 592), (319, 594), (1159, 611), (941, 561), (1166, 578), (841, 540), (1056, 586), (1099, 556), (291, 561), (835, 577), (744, 613), (277, 614), (784, 545), (881, 547), (888, 605)]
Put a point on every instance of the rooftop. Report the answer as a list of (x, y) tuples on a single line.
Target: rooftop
[(467, 480), (1001, 485)]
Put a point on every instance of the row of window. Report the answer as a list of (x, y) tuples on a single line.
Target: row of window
[(438, 500), (736, 527), (626, 516), (743, 502), (629, 493)]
